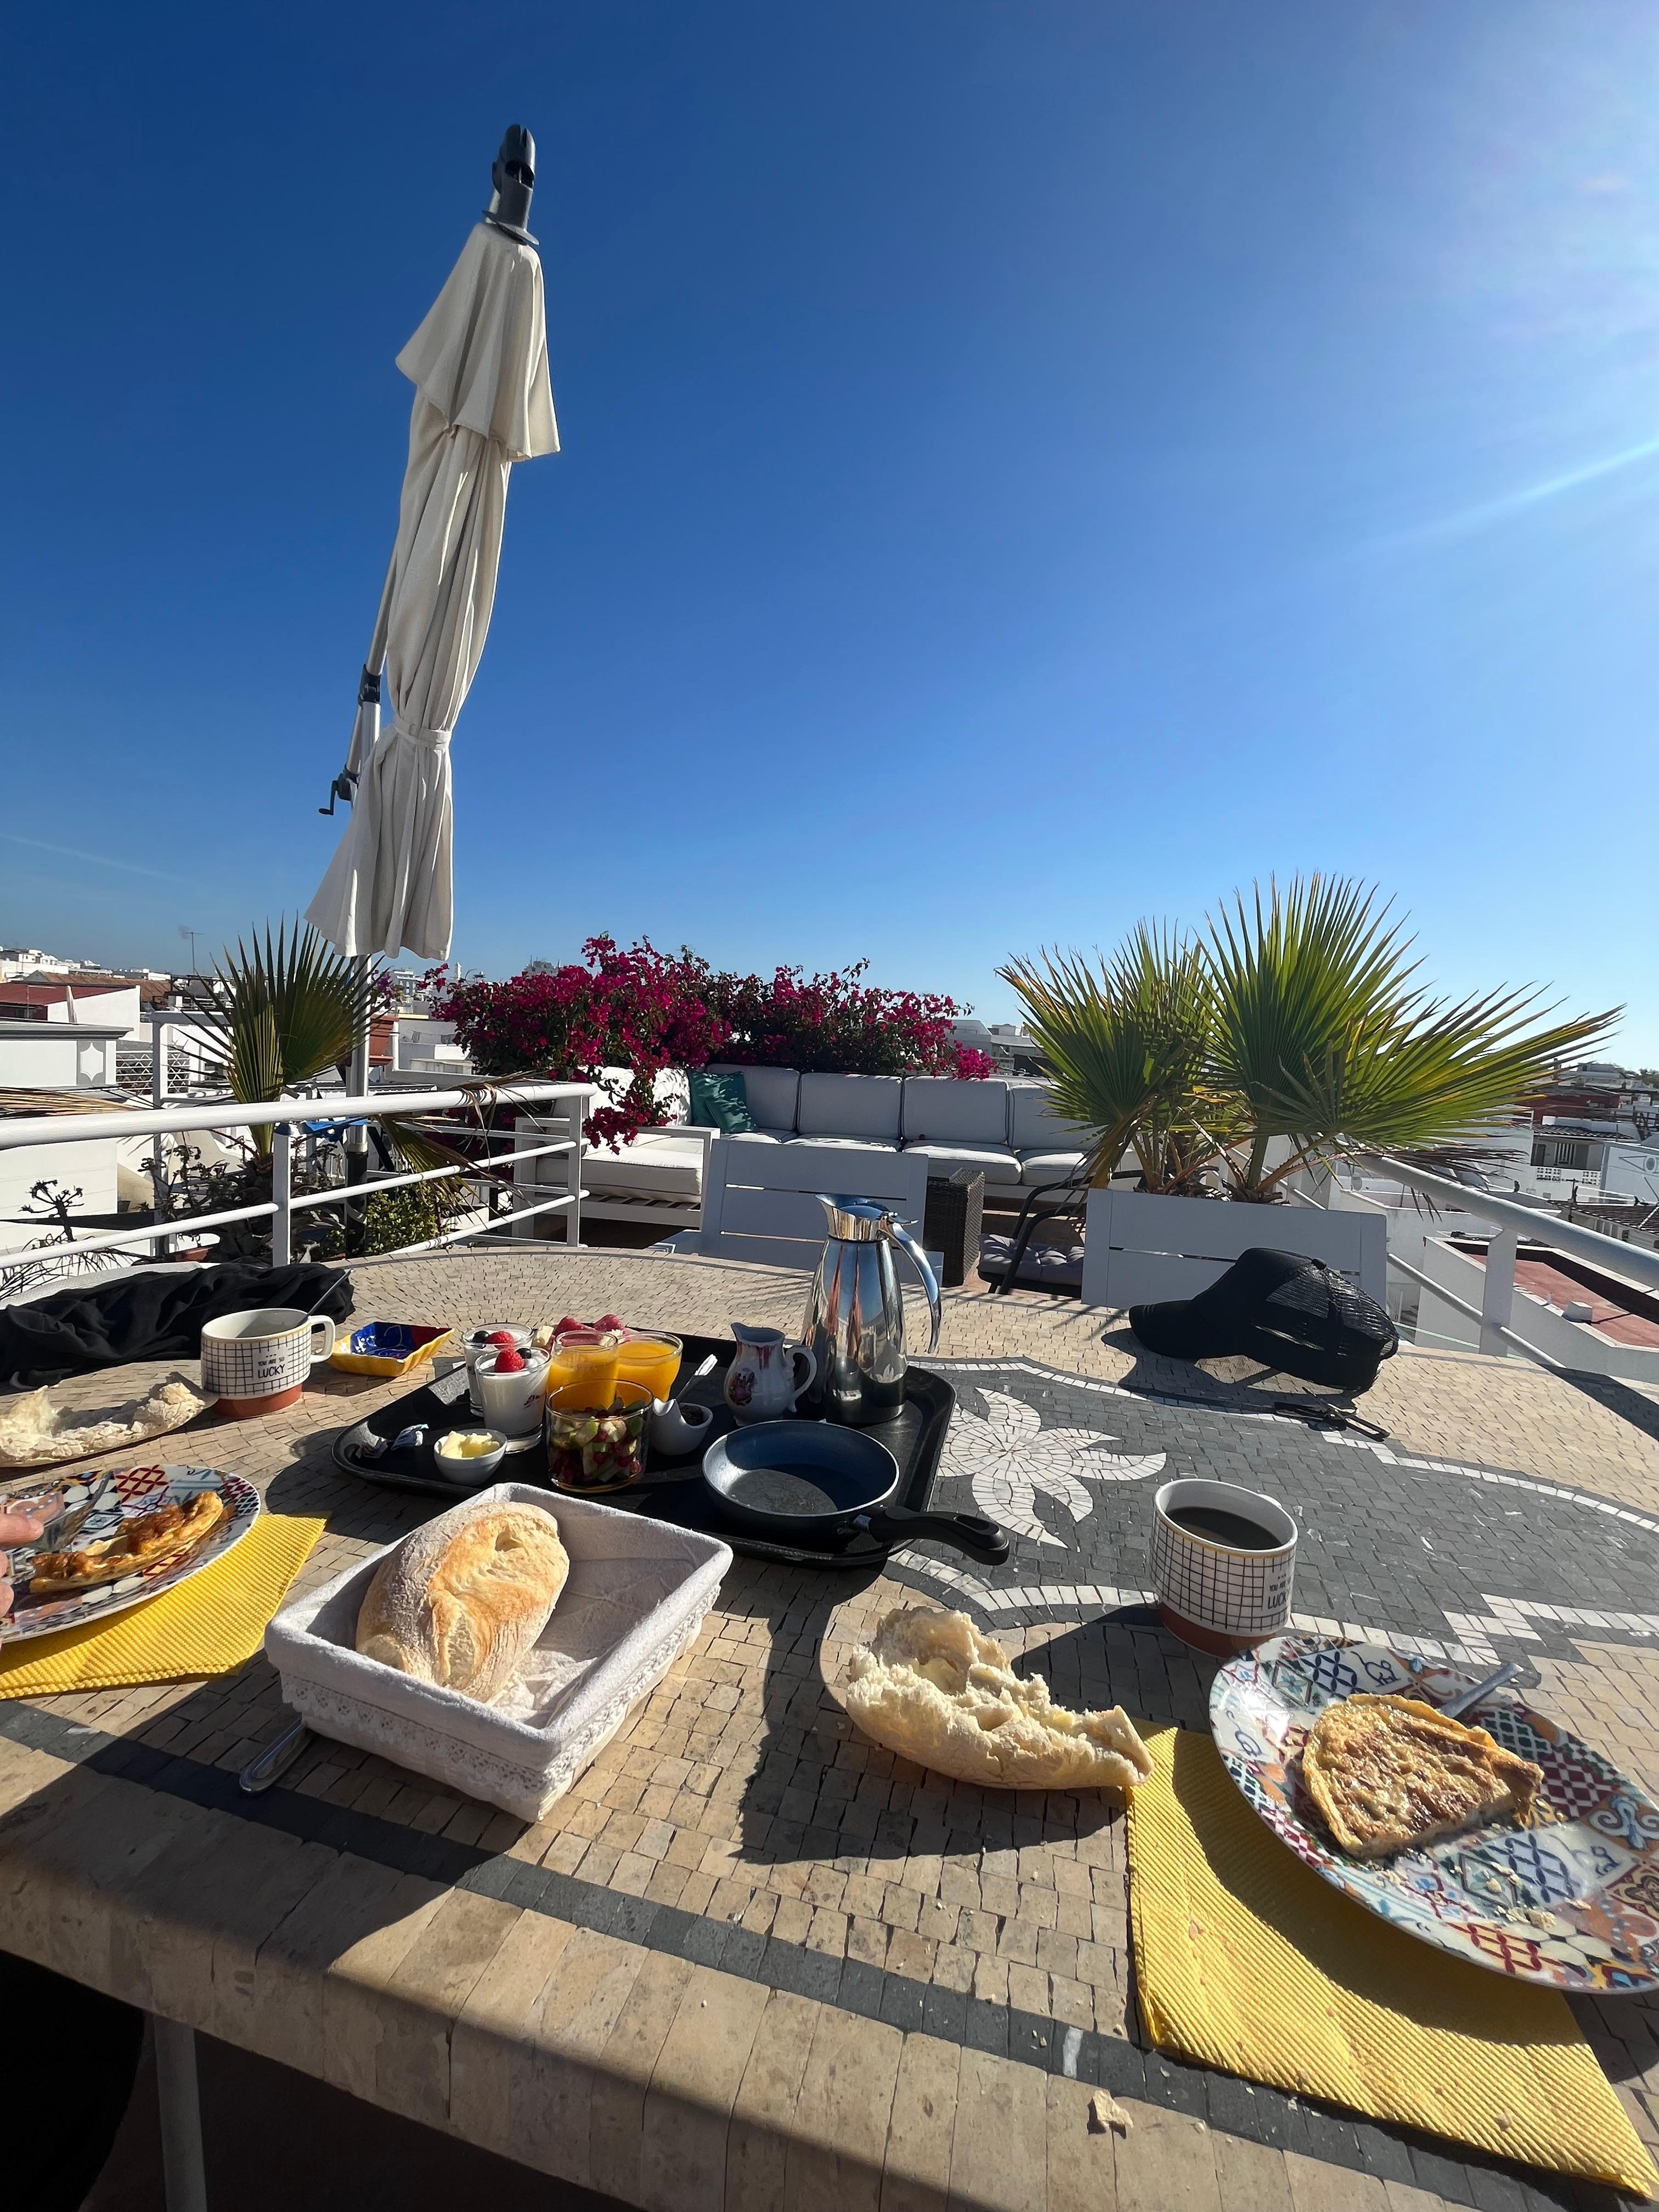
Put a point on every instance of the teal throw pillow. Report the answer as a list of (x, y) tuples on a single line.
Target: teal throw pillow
[(720, 1102)]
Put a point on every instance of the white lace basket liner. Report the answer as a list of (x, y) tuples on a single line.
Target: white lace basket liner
[(637, 1595)]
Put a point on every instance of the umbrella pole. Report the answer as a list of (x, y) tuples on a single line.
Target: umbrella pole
[(357, 1135)]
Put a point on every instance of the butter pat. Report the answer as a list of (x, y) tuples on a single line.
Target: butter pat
[(467, 1443)]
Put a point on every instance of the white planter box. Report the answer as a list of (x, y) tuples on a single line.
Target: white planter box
[(1140, 1247), (637, 1594)]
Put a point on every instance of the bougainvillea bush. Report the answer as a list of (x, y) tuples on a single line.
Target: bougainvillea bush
[(838, 1024), (649, 1011)]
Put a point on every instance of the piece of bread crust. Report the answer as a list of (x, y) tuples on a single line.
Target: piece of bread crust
[(460, 1601), (929, 1686), (32, 1433), (1390, 1774)]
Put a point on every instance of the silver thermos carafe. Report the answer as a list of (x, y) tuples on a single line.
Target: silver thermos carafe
[(854, 1323)]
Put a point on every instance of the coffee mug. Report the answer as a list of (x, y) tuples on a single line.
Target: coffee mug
[(257, 1363)]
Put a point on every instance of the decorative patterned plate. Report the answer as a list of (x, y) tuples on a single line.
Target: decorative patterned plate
[(135, 1490), (1572, 1901)]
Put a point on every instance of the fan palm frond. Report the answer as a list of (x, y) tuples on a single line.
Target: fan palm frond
[(1324, 1038), (1128, 1040), (284, 1011)]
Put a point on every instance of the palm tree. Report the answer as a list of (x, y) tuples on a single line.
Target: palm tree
[(1298, 1020), (1128, 1042), (1325, 1039), (284, 1011)]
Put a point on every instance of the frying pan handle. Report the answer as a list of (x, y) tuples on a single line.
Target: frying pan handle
[(967, 1532)]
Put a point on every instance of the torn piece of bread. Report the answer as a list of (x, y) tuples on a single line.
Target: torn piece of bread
[(32, 1431), (460, 1601), (1387, 1773), (929, 1686)]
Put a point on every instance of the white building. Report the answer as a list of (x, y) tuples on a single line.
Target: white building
[(424, 1055), (1632, 1171), (17, 960), (59, 1055), (53, 1058)]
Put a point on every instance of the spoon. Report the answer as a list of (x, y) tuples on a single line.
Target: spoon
[(1466, 1700)]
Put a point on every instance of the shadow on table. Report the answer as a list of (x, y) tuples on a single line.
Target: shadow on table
[(1127, 1658), (822, 1793), (1233, 1385), (1624, 1400), (142, 1837)]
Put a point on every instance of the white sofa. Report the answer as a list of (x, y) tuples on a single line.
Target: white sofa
[(1007, 1129)]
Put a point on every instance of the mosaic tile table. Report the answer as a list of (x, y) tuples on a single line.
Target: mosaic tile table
[(753, 1962)]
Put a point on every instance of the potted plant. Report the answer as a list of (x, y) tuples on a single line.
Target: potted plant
[(1286, 1034), (283, 1013)]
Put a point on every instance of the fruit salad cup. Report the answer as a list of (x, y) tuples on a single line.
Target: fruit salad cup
[(592, 1449)]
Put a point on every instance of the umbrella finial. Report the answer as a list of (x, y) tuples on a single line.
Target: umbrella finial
[(514, 175)]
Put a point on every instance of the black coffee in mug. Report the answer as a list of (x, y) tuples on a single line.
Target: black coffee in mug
[(1223, 1527)]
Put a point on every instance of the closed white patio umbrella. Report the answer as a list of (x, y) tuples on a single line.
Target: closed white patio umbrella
[(482, 401)]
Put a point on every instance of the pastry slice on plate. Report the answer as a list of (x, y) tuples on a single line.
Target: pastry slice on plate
[(1390, 1774), (171, 1532)]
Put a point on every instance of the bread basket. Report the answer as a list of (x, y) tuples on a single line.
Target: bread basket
[(636, 1597)]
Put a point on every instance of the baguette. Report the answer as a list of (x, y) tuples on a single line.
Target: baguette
[(929, 1686), (460, 1601)]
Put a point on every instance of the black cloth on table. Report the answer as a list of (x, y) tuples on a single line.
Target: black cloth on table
[(1291, 1314), (152, 1315)]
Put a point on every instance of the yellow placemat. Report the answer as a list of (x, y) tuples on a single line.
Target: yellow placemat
[(1248, 1962), (207, 1626)]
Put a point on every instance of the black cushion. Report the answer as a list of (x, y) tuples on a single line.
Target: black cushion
[(1289, 1313), (153, 1315)]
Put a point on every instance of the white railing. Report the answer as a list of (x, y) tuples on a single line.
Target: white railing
[(280, 1115), (1572, 1344)]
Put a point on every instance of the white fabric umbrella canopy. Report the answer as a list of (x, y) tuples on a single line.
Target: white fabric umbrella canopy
[(482, 401)]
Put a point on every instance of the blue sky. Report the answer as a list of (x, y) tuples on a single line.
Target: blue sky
[(1025, 466)]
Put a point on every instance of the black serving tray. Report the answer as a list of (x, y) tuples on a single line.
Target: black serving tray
[(670, 1490)]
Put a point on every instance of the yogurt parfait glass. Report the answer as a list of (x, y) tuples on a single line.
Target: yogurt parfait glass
[(510, 1399), (485, 1342)]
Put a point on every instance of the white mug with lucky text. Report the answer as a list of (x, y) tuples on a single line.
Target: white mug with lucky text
[(257, 1363)]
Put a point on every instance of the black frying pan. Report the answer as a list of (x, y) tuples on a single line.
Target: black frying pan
[(812, 1482)]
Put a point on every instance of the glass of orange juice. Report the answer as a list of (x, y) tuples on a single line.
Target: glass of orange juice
[(650, 1357), (583, 1361)]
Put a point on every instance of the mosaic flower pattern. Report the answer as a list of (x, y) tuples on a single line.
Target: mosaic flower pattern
[(1008, 1456)]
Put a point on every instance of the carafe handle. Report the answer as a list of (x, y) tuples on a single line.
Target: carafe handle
[(901, 1235)]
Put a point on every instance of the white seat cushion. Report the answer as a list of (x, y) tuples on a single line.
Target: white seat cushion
[(652, 1166), (763, 1136), (1048, 1167), (771, 1092), (1033, 1124), (1000, 1168), (939, 1110), (852, 1144), (857, 1106)]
